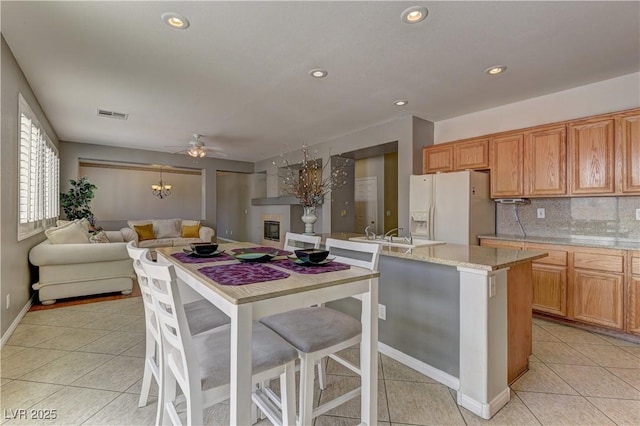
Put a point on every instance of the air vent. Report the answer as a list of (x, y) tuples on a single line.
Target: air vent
[(112, 114)]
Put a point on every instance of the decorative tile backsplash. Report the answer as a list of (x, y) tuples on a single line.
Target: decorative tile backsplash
[(598, 217)]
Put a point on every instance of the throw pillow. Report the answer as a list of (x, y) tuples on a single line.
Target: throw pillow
[(145, 232), (99, 237), (166, 228), (192, 231), (132, 223), (190, 222), (71, 233), (84, 222)]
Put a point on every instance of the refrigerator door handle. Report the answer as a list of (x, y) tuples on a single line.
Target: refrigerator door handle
[(432, 214)]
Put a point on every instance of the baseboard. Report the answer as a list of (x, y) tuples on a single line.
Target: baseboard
[(421, 367), (6, 336), (486, 411)]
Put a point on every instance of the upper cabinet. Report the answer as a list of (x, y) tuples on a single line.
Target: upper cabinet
[(437, 158), (592, 156), (597, 156), (628, 136), (471, 155), (506, 166), (545, 161)]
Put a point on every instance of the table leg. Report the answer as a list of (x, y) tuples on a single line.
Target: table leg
[(240, 384), (369, 355)]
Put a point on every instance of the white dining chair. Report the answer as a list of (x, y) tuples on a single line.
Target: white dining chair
[(318, 331), (199, 365), (293, 241), (201, 316)]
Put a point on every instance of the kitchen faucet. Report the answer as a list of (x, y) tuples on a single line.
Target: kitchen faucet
[(369, 233), (390, 232)]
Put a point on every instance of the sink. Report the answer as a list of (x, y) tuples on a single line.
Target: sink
[(399, 243)]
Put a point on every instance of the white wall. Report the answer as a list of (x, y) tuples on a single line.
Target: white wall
[(605, 96)]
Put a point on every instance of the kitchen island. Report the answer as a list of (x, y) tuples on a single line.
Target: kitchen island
[(458, 314)]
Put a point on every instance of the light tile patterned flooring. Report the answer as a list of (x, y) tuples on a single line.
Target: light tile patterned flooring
[(86, 363)]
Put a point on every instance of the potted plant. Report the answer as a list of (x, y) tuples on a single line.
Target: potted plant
[(75, 203)]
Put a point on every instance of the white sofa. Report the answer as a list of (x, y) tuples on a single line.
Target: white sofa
[(167, 233), (81, 269)]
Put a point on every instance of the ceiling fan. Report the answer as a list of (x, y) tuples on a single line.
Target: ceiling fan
[(196, 148)]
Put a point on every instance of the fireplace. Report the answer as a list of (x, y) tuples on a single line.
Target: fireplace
[(272, 230)]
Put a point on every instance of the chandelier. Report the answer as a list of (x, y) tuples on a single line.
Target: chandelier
[(161, 189), (197, 151)]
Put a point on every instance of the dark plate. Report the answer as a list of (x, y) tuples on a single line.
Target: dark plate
[(194, 254), (254, 257), (307, 262)]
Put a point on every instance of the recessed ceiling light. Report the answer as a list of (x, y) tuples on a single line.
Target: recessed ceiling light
[(496, 69), (175, 20), (414, 14), (318, 73), (400, 102)]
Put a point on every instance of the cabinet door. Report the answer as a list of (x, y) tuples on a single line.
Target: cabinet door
[(629, 134), (471, 155), (437, 159), (598, 298), (506, 166), (550, 289), (545, 160), (592, 154), (633, 324)]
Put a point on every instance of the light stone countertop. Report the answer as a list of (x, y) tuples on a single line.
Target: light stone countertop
[(457, 255), (579, 241)]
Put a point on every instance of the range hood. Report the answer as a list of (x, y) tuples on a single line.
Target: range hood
[(520, 201)]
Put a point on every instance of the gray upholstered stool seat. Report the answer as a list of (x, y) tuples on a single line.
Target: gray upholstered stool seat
[(203, 316), (213, 352), (314, 328)]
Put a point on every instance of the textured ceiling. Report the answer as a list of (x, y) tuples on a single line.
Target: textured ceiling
[(239, 74)]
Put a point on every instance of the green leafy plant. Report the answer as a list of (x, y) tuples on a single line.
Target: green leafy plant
[(75, 203)]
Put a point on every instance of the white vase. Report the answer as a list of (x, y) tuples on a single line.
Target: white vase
[(309, 218)]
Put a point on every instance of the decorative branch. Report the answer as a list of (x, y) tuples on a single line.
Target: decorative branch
[(308, 183)]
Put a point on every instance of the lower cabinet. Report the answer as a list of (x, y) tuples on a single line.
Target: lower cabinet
[(593, 286), (598, 298), (550, 289)]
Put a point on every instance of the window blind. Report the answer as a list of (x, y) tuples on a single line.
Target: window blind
[(38, 175)]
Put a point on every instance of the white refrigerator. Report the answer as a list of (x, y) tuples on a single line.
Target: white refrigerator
[(452, 207)]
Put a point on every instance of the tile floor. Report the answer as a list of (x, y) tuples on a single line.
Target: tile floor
[(86, 363)]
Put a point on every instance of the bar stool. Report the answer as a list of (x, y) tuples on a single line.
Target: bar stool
[(293, 242), (319, 331), (199, 365), (201, 316)]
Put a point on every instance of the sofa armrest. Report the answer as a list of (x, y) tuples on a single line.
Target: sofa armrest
[(46, 253), (129, 234), (207, 234)]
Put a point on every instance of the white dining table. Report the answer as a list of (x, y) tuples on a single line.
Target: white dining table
[(247, 303)]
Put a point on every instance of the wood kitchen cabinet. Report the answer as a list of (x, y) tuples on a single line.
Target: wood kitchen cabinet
[(471, 155), (545, 161), (598, 287), (592, 156), (437, 158), (550, 280), (506, 163), (633, 306), (628, 136)]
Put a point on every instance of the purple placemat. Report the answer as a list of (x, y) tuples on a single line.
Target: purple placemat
[(262, 250), (185, 258), (242, 273), (312, 269)]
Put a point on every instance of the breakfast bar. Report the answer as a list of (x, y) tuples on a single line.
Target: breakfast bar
[(458, 314)]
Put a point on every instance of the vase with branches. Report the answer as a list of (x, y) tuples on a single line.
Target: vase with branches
[(309, 182)]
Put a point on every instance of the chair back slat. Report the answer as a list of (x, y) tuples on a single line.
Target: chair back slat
[(136, 254), (173, 322), (354, 253), (293, 241)]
